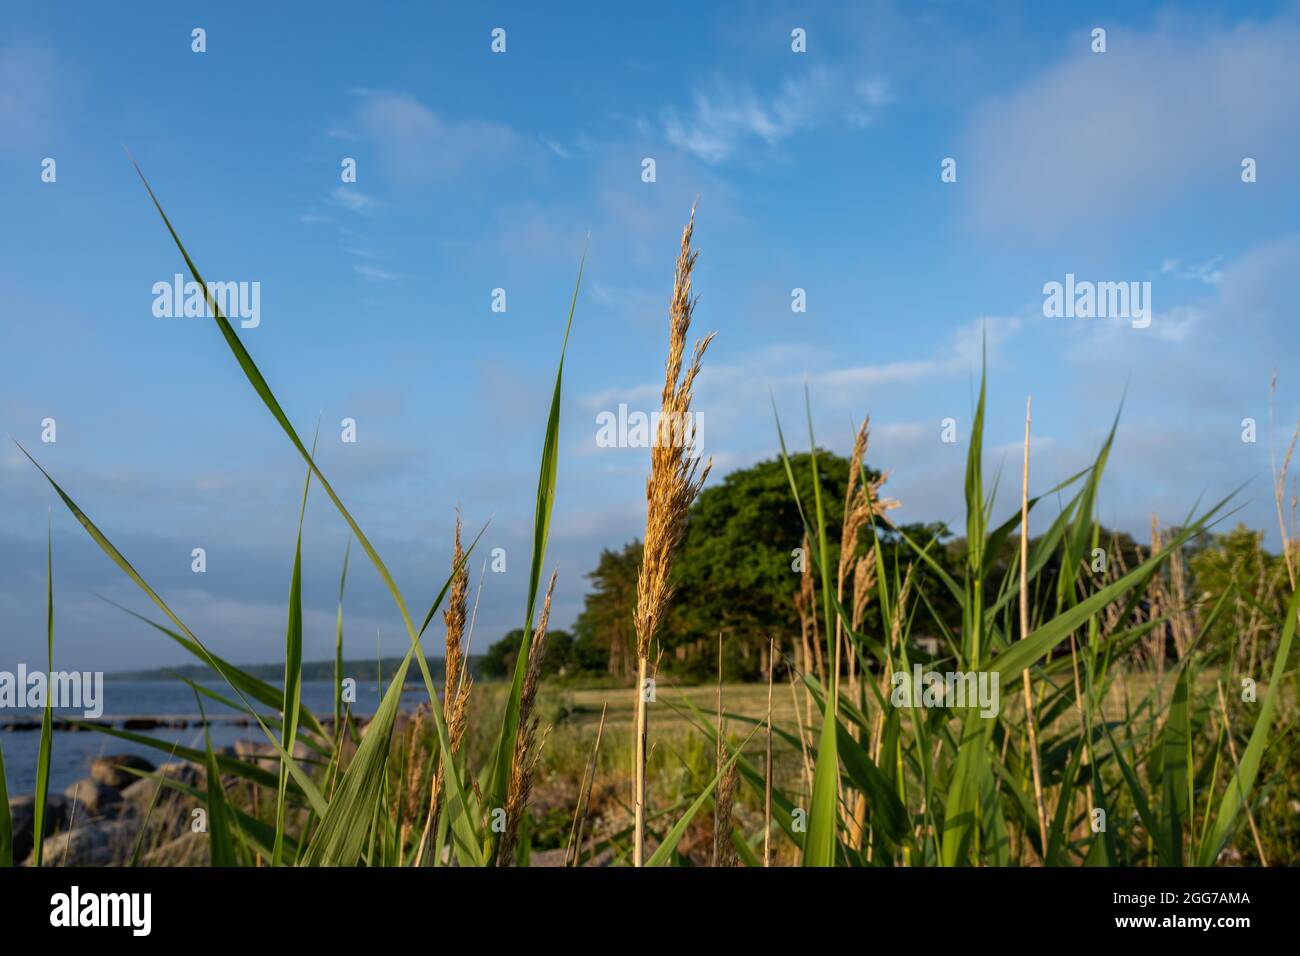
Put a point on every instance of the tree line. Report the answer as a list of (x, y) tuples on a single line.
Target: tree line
[(739, 573)]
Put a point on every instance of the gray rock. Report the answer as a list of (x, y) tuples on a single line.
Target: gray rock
[(108, 770), (90, 799), (22, 811), (169, 816), (141, 792), (97, 844)]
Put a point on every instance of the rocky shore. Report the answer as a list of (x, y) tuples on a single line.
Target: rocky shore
[(99, 820)]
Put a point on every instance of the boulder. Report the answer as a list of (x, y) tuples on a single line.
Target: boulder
[(138, 796), (109, 770), (90, 799), (170, 809), (96, 844), (22, 811)]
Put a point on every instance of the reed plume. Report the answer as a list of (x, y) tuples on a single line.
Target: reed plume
[(415, 776), (724, 854), (862, 503), (674, 482), (456, 679)]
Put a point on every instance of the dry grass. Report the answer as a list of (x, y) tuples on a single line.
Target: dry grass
[(527, 748), (674, 483)]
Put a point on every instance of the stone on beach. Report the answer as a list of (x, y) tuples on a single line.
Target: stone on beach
[(90, 798), (109, 770), (22, 811)]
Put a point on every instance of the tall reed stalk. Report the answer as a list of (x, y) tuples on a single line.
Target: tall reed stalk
[(674, 483)]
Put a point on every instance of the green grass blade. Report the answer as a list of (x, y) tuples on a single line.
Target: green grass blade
[(245, 684), (546, 480), (664, 851), (220, 845), (148, 815), (975, 521), (219, 666), (1174, 763), (823, 811), (1027, 652), (292, 672), (1243, 780), (47, 728), (263, 390), (341, 837), (338, 643), (961, 816)]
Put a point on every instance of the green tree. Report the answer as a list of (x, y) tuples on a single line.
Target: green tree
[(1237, 560), (604, 634), (735, 570), (499, 659)]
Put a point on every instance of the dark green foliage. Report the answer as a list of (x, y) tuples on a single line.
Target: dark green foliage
[(499, 661)]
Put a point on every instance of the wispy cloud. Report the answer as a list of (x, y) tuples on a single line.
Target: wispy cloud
[(373, 273), (416, 145), (1210, 272), (353, 199), (726, 118), (556, 148)]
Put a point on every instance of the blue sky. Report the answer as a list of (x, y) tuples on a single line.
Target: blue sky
[(478, 171)]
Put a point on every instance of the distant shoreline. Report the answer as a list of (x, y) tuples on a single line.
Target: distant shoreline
[(360, 670)]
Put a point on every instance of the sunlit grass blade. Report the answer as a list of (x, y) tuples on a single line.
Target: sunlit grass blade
[(344, 827), (221, 847), (546, 480)]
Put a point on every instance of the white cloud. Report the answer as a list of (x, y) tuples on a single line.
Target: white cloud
[(1100, 137), (726, 118), (418, 146), (353, 199), (556, 148), (373, 273), (1208, 272)]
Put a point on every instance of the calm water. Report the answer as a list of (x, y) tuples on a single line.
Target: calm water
[(72, 752)]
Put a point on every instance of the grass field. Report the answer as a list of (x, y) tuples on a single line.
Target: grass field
[(1088, 759)]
